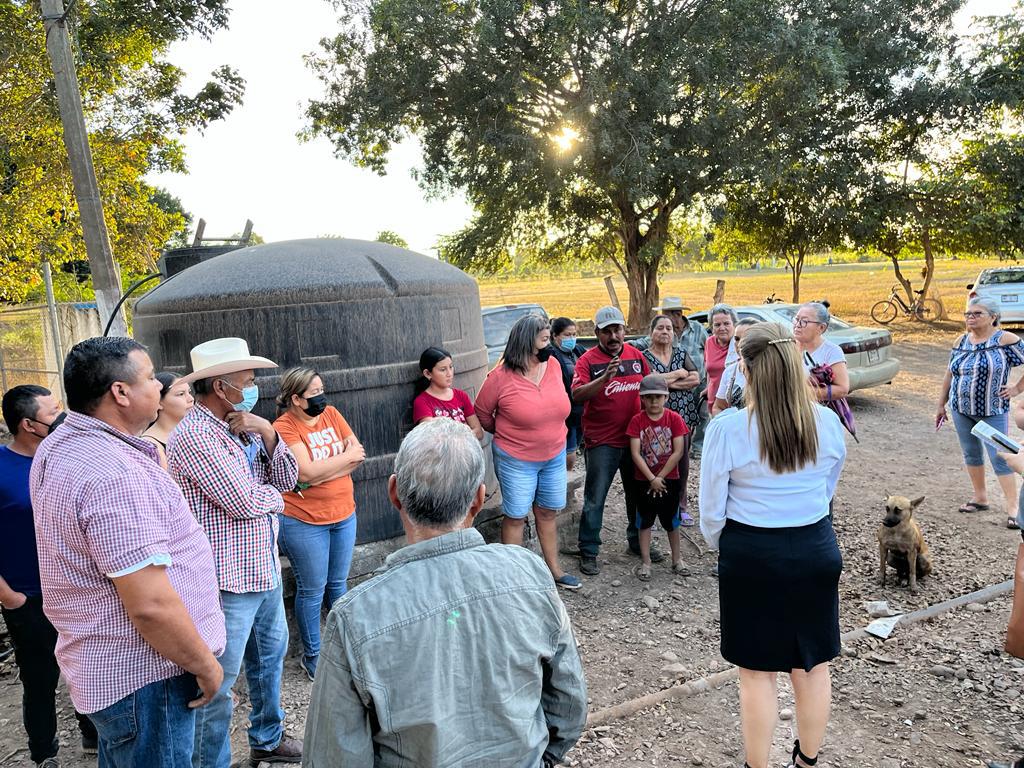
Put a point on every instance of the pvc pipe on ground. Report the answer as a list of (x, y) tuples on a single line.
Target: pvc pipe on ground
[(718, 679)]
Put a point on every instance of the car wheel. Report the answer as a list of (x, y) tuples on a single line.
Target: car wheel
[(884, 312)]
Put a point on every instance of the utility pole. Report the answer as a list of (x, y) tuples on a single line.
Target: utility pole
[(106, 280)]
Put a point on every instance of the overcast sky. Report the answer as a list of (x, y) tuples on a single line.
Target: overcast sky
[(251, 165)]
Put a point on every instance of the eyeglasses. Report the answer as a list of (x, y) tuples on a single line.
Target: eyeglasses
[(975, 314), (803, 322)]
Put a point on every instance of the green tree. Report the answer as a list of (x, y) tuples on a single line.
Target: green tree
[(392, 238), (136, 110), (604, 118), (800, 211)]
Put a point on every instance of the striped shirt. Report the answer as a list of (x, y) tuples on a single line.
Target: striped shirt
[(979, 372), (104, 508), (234, 489)]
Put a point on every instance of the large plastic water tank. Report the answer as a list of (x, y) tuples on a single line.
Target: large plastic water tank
[(358, 312)]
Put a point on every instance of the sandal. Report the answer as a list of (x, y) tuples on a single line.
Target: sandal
[(643, 572), (1011, 523), (973, 506), (810, 762), (679, 567), (685, 519)]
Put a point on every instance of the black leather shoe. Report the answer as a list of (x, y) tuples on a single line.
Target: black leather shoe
[(289, 750)]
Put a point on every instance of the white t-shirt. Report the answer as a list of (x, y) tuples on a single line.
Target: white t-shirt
[(735, 484), (828, 353), (732, 375)]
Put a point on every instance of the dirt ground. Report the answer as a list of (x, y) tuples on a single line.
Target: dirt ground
[(937, 693)]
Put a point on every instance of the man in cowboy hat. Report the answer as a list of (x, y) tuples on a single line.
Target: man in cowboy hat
[(232, 468)]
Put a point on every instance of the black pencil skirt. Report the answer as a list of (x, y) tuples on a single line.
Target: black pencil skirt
[(779, 596)]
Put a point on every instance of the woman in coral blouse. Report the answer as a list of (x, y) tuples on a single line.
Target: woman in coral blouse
[(524, 404)]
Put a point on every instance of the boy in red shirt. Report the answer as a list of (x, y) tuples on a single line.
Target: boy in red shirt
[(656, 445)]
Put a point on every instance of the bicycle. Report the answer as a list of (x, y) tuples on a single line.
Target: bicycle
[(927, 310)]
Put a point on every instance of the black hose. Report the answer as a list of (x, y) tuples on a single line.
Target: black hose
[(131, 289)]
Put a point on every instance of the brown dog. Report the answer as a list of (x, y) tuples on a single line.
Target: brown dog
[(901, 544)]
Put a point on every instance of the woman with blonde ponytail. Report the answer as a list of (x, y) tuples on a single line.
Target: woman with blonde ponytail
[(767, 475)]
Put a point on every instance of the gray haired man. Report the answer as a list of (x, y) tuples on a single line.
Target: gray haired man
[(457, 652)]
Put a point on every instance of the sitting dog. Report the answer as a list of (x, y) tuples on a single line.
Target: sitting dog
[(901, 544)]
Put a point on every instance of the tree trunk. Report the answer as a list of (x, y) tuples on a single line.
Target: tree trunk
[(908, 287), (929, 259), (642, 255), (795, 261)]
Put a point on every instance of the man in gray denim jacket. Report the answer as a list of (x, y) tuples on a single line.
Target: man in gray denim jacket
[(457, 653)]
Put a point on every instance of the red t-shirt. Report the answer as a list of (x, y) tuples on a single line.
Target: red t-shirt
[(426, 406), (714, 364), (656, 440), (606, 415)]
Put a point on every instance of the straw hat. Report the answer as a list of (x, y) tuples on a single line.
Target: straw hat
[(672, 302), (219, 357)]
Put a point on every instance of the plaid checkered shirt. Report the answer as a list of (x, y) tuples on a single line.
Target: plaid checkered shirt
[(105, 508), (236, 506)]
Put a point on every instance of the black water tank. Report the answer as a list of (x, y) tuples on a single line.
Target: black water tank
[(359, 312)]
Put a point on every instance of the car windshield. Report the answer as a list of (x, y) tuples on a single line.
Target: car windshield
[(999, 276), (498, 324), (835, 324)]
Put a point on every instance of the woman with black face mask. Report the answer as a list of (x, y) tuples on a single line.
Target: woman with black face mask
[(318, 525), (523, 403)]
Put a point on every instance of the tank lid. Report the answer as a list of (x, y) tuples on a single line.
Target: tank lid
[(304, 271)]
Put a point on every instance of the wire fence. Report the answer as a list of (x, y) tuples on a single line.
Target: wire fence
[(30, 351)]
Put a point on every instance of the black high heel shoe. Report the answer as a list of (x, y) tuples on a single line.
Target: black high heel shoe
[(808, 761)]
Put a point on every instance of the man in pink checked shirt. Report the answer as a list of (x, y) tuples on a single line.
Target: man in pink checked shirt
[(233, 467), (127, 575)]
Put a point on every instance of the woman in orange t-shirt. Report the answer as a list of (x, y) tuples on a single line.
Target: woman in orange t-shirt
[(318, 526)]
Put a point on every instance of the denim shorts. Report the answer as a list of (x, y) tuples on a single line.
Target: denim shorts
[(973, 448), (528, 483)]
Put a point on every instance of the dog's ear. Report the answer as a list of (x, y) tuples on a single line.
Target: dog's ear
[(916, 503), (886, 496)]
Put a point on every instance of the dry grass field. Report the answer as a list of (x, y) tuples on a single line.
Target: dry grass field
[(850, 288)]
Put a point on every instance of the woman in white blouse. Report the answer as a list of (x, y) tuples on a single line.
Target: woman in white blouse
[(809, 325), (767, 475)]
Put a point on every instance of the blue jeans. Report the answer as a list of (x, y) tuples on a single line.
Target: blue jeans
[(258, 633), (320, 556), (603, 461), (152, 726), (972, 447)]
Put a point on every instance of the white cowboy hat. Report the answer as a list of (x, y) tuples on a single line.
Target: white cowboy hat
[(672, 302), (219, 357)]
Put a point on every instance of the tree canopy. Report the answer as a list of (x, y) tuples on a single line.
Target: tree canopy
[(588, 125), (135, 110)]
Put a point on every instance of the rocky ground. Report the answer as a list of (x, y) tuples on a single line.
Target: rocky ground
[(936, 693)]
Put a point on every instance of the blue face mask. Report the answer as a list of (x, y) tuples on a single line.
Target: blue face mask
[(250, 396), (567, 345)]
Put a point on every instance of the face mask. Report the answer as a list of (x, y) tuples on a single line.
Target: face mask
[(250, 396), (53, 424), (316, 405), (567, 345), (543, 354)]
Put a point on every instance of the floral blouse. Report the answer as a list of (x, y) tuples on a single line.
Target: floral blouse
[(682, 402)]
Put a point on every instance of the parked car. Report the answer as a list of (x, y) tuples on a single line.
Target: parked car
[(1005, 286), (868, 350), (498, 322)]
